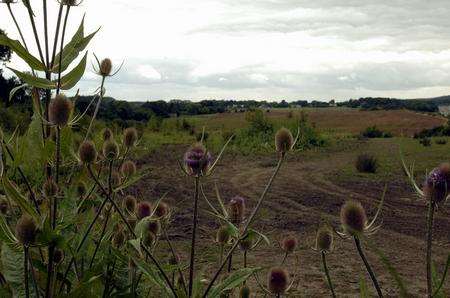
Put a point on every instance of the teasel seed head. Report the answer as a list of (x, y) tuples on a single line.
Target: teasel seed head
[(154, 226), (144, 209), (107, 134), (105, 67), (284, 141), (237, 209), (110, 149), (324, 239), (437, 184), (60, 110), (162, 210), (197, 160), (58, 256), (50, 188), (118, 239), (289, 244), (81, 189), (277, 280), (223, 235), (244, 292), (26, 230), (4, 206), (353, 217), (130, 203), (128, 168), (130, 136), (246, 243), (115, 179), (87, 152)]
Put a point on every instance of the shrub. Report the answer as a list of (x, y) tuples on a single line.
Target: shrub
[(374, 132), (441, 141), (426, 142), (366, 163)]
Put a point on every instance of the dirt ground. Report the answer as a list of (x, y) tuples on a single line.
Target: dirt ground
[(307, 190)]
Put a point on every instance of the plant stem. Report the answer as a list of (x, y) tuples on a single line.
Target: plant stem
[(25, 271), (46, 31), (230, 263), (174, 255), (36, 36), (247, 225), (368, 268), (284, 258), (194, 232), (430, 217), (327, 274), (96, 109), (33, 276), (61, 49), (55, 41), (17, 25)]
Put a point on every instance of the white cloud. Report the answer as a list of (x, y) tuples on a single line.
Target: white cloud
[(148, 72)]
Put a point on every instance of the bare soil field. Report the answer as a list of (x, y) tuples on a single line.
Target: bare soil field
[(310, 188)]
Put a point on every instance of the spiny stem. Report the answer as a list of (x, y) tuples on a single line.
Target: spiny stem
[(327, 274), (247, 225), (25, 270), (430, 217), (368, 268), (96, 109), (194, 232)]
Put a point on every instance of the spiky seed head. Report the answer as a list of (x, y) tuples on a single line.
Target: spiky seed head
[(130, 203), (284, 140), (197, 160), (58, 256), (437, 184), (60, 110), (110, 149), (277, 280), (105, 67), (162, 210), (149, 239), (4, 206), (50, 188), (154, 226), (324, 239), (244, 292), (130, 136), (118, 239), (144, 209), (353, 217), (128, 168), (115, 179), (223, 235), (237, 209), (107, 134), (289, 244), (174, 260), (246, 243), (81, 189), (26, 230), (87, 152)]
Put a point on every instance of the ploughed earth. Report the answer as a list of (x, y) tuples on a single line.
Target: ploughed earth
[(308, 190)]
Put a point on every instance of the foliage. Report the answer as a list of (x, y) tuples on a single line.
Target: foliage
[(366, 163), (374, 132)]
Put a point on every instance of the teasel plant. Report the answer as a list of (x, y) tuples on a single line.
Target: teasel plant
[(324, 245), (435, 192)]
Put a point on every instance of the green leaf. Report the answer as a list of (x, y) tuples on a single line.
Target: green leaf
[(89, 288), (34, 81), (17, 47), (13, 194), (15, 89), (363, 292), (233, 281), (6, 235), (152, 275), (261, 235), (71, 79), (12, 269)]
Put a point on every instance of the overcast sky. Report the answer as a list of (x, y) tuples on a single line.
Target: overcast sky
[(266, 49)]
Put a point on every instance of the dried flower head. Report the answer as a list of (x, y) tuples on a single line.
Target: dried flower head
[(223, 235), (130, 136), (144, 209), (284, 141), (118, 239), (277, 280), (244, 292), (58, 256), (115, 179), (353, 217), (50, 188), (324, 239), (289, 244), (107, 134), (246, 243), (60, 110), (130, 203), (110, 149), (128, 168), (162, 210), (81, 189), (105, 67), (154, 226), (237, 209), (437, 184), (87, 152), (197, 160), (26, 230)]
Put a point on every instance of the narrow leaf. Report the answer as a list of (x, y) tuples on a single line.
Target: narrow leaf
[(17, 47), (71, 79), (15, 89), (233, 281), (13, 194), (34, 81)]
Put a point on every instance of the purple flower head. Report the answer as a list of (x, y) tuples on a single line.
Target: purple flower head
[(144, 209), (437, 183), (197, 160)]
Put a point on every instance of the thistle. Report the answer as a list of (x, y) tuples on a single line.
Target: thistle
[(162, 210), (197, 160), (130, 203), (128, 169), (237, 210), (119, 239), (144, 209), (130, 136), (26, 230), (288, 245), (284, 141), (154, 226), (87, 152), (278, 281), (60, 110), (105, 67), (324, 244), (107, 134), (223, 235), (110, 149), (116, 180)]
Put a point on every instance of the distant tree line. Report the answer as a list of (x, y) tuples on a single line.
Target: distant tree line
[(379, 103)]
